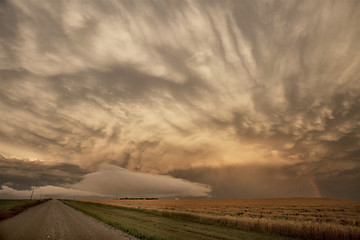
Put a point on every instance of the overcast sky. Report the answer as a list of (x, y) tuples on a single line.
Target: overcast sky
[(178, 98)]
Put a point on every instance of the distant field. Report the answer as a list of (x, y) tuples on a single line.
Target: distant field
[(155, 225), (10, 208), (304, 218)]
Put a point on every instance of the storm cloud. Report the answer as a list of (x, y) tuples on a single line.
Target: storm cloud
[(23, 174), (184, 87)]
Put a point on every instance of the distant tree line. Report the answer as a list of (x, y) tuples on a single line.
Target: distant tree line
[(136, 198)]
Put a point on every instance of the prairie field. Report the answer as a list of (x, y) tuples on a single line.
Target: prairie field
[(311, 218)]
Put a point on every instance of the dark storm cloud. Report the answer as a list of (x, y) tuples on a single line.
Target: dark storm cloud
[(259, 181), (249, 181), (343, 184), (162, 86), (23, 174)]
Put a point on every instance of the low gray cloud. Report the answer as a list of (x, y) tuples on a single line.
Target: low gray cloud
[(23, 174), (167, 86), (47, 191)]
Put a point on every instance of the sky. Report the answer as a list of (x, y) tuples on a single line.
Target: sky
[(204, 98)]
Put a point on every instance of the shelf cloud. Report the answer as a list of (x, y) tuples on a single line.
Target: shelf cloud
[(107, 182)]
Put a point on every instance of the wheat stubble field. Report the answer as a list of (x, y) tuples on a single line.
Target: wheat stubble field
[(306, 218)]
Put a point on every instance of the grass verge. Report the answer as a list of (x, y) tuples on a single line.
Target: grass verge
[(147, 224), (10, 208)]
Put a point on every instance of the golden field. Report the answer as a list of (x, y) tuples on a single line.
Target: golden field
[(314, 218)]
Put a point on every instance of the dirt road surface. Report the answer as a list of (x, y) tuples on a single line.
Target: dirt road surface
[(55, 220)]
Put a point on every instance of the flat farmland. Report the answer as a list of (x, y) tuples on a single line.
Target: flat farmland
[(335, 211), (314, 218)]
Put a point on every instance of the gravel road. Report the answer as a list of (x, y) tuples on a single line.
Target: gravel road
[(55, 220)]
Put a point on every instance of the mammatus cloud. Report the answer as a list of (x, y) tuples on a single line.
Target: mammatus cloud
[(173, 87)]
